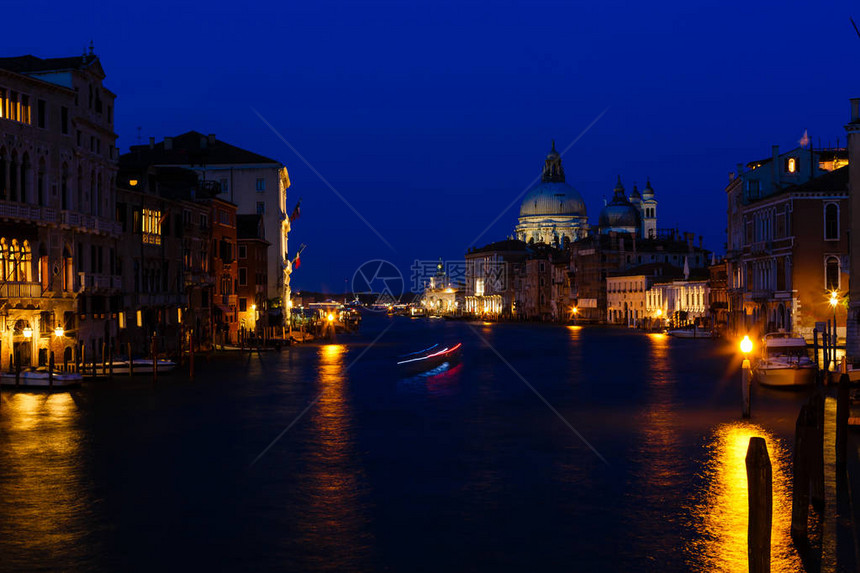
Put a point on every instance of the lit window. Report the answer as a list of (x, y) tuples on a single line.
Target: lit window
[(791, 166), (479, 287), (152, 220)]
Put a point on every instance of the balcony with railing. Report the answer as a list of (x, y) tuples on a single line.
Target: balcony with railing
[(98, 282), (11, 290)]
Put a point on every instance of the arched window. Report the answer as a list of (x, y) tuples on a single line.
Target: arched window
[(40, 182), (831, 274), (831, 222), (25, 178), (80, 189), (13, 177), (14, 262), (4, 258), (64, 187), (26, 262)]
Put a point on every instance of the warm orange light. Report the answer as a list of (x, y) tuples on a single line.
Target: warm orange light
[(132, 182), (746, 345), (575, 310), (59, 332), (834, 298), (330, 317), (28, 332), (659, 312)]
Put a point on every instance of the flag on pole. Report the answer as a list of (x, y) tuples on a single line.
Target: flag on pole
[(298, 262), (804, 141), (295, 214)]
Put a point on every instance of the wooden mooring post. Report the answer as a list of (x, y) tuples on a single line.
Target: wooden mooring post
[(760, 492), (746, 378), (191, 355), (800, 477), (842, 411)]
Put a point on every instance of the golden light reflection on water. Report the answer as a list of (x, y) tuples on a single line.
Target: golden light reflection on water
[(42, 502), (721, 518), (334, 521)]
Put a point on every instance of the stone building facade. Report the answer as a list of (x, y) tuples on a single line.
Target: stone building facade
[(59, 281)]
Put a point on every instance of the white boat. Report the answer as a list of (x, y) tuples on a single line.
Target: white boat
[(40, 378), (694, 332), (121, 367), (784, 362)]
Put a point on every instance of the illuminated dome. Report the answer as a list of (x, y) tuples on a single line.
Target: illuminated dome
[(553, 198), (552, 212)]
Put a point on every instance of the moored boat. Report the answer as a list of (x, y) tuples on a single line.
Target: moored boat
[(40, 378), (121, 367), (784, 362), (694, 332)]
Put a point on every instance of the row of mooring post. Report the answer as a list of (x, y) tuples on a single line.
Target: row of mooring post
[(807, 476)]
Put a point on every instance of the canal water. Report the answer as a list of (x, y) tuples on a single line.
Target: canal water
[(467, 469)]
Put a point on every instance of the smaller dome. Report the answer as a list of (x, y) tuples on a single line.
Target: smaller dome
[(619, 212), (635, 194)]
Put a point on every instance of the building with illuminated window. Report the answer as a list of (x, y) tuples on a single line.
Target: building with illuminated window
[(490, 290), (59, 281), (787, 243), (162, 257), (252, 269), (256, 184)]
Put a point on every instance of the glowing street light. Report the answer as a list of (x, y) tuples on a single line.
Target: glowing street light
[(330, 317), (59, 332), (28, 332), (746, 346)]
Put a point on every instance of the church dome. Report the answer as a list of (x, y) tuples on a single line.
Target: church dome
[(619, 212), (553, 198)]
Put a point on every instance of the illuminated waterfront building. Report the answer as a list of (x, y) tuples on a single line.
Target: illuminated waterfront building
[(787, 244), (441, 297), (490, 288), (256, 184), (59, 239)]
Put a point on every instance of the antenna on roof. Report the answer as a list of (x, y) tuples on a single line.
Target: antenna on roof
[(138, 134), (91, 47), (855, 26)]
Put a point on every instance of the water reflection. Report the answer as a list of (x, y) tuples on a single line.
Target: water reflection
[(722, 516), (43, 499), (334, 523)]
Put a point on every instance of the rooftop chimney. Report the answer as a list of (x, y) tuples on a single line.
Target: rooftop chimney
[(211, 138), (855, 108), (151, 142), (168, 143)]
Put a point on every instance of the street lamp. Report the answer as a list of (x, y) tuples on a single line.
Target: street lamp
[(746, 374), (746, 346), (28, 332), (834, 300), (59, 332)]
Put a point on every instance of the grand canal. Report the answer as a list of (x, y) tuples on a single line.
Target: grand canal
[(467, 470)]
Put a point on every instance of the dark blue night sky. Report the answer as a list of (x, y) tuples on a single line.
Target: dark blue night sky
[(431, 117)]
